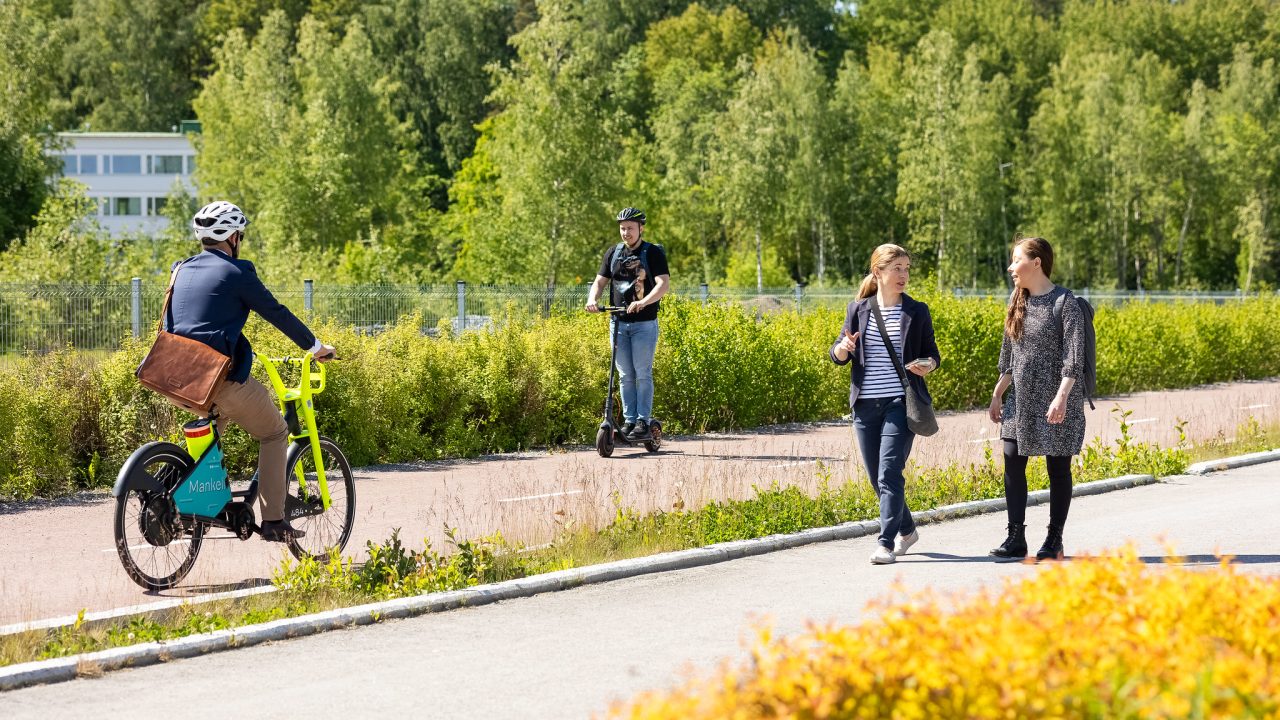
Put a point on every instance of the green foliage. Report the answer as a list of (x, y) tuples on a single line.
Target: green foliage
[(27, 56), (300, 134), (131, 64), (71, 420)]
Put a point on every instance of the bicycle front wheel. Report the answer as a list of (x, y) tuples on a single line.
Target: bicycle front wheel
[(157, 547), (326, 530)]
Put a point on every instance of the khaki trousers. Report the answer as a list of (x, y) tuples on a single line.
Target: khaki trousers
[(251, 406)]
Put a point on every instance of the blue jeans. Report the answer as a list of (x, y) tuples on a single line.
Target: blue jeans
[(637, 343), (885, 441)]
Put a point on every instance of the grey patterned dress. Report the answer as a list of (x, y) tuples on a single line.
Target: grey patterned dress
[(1048, 351)]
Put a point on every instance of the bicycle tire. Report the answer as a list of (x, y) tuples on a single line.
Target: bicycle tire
[(157, 536), (329, 531)]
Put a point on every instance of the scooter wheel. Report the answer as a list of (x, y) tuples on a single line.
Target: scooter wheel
[(655, 437), (604, 442)]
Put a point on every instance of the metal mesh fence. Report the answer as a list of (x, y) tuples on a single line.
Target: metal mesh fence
[(39, 318)]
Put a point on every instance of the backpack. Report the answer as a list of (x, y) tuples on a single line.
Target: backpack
[(1089, 379), (624, 278)]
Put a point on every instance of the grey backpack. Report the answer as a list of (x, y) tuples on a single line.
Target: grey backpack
[(1089, 380)]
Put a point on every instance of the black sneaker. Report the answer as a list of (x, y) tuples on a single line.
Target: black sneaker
[(626, 428), (640, 431), (279, 531)]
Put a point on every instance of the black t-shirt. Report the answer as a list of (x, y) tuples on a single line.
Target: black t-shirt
[(624, 275)]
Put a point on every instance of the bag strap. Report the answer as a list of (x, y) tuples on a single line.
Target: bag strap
[(168, 294), (884, 335)]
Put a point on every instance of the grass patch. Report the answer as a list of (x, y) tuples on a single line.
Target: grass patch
[(392, 570)]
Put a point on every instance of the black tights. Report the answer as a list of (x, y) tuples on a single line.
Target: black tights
[(1015, 485)]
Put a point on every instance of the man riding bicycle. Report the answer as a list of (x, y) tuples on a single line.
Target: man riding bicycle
[(213, 293)]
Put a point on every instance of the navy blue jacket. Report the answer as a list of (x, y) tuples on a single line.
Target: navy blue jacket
[(211, 301), (918, 342)]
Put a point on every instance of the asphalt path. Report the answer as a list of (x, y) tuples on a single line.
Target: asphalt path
[(571, 654), (58, 558)]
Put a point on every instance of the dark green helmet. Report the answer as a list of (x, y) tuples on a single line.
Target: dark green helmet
[(631, 213)]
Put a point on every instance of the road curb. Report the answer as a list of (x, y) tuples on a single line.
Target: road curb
[(1231, 463), (95, 663)]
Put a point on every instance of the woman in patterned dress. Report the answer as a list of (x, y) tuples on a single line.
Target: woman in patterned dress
[(1041, 359), (876, 393)]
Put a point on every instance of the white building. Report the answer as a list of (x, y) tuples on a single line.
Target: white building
[(129, 174)]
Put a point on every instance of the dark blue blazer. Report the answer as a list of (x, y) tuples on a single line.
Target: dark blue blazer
[(212, 297), (918, 342)]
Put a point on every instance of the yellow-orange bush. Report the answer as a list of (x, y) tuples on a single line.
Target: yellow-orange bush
[(1105, 637)]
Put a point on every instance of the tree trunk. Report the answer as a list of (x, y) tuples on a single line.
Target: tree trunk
[(822, 253), (1182, 242), (759, 263)]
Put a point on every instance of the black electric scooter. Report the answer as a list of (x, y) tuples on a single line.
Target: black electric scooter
[(610, 433)]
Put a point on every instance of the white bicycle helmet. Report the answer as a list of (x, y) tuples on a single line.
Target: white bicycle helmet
[(217, 221)]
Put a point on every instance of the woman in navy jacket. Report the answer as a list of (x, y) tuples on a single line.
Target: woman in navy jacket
[(876, 393)]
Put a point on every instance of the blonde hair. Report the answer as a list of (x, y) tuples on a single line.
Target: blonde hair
[(881, 258), (1032, 247)]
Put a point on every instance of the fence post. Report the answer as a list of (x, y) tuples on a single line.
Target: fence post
[(136, 293), (462, 305), (308, 294), (799, 293), (702, 292)]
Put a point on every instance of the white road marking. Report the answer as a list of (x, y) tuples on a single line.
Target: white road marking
[(1254, 407), (1143, 420), (982, 440), (133, 610), (147, 545), (539, 497)]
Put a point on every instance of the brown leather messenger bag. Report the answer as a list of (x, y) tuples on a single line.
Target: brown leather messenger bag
[(186, 371)]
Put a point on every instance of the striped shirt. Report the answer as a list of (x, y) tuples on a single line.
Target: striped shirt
[(881, 379)]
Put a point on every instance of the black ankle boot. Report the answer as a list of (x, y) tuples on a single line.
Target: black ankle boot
[(1052, 547), (1014, 546)]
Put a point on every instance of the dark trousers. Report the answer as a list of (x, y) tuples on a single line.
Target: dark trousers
[(885, 441), (1015, 485)]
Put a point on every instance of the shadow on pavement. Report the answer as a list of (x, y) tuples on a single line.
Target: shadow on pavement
[(784, 458), (943, 557), (86, 499), (221, 587), (1209, 559)]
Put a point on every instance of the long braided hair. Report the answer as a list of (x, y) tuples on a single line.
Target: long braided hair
[(1032, 247), (881, 258)]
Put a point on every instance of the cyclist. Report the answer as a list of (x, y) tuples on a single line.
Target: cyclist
[(638, 272), (213, 293)]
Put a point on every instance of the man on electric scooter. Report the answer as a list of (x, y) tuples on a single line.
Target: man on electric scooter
[(213, 293), (638, 275)]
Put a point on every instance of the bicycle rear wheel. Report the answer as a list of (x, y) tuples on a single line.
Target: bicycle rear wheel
[(157, 547), (326, 530)]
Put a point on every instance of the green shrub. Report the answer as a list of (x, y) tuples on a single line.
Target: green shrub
[(69, 420)]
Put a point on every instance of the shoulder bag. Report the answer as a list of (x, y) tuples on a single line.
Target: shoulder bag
[(920, 418), (185, 371)]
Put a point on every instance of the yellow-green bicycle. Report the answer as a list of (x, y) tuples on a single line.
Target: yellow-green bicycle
[(168, 497)]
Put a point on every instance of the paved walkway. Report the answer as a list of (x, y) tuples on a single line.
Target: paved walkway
[(60, 558), (569, 654)]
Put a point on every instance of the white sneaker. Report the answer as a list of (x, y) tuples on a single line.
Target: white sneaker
[(904, 542), (882, 556)]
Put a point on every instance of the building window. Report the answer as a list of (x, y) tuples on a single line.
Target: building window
[(125, 206), (166, 164), (69, 165), (156, 205), (191, 164), (126, 165), (88, 164)]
